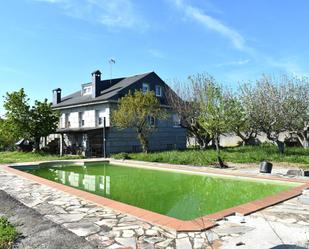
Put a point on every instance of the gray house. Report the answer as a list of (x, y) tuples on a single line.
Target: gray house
[(85, 124)]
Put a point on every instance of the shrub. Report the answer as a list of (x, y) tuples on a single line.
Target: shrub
[(8, 233), (122, 155)]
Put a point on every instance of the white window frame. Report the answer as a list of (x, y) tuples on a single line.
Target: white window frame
[(158, 91), (151, 121), (81, 119), (100, 119), (87, 90), (176, 120), (145, 87)]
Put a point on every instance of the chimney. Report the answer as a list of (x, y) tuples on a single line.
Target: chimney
[(56, 96), (96, 79)]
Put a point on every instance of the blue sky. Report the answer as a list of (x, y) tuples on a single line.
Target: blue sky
[(57, 43)]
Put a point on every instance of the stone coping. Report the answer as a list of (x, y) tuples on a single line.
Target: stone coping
[(198, 224)]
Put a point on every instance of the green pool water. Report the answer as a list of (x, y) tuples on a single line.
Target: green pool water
[(180, 195)]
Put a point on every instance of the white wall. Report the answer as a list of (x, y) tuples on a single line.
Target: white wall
[(90, 114), (73, 119)]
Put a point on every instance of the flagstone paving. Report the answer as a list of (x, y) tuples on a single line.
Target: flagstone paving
[(285, 223)]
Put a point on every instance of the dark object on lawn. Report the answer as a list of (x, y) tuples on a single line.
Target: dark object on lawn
[(24, 145), (266, 167), (221, 163)]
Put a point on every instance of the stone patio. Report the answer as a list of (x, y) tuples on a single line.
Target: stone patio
[(283, 224)]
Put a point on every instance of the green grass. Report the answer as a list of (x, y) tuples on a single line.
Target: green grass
[(244, 154), (16, 157), (8, 234)]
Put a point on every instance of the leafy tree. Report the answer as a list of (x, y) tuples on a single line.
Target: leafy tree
[(214, 115), (7, 138), (43, 121), (239, 120), (17, 114), (29, 123), (134, 111)]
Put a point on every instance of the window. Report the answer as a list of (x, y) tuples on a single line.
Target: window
[(145, 87), (87, 90), (151, 121), (81, 119), (61, 123), (158, 91), (176, 120)]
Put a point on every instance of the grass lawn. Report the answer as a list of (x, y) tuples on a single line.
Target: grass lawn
[(8, 234), (244, 154), (16, 157)]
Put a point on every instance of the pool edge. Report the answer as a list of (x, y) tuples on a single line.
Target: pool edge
[(198, 224)]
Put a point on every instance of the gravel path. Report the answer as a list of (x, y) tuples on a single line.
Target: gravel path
[(36, 231)]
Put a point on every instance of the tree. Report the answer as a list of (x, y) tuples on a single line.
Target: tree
[(7, 138), (239, 120), (277, 106), (43, 121), (214, 115), (17, 114), (296, 107), (184, 102), (136, 111), (29, 123)]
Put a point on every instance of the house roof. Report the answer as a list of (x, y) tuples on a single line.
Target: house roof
[(116, 86)]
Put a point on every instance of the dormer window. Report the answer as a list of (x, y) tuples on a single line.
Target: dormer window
[(158, 91), (145, 87), (87, 90)]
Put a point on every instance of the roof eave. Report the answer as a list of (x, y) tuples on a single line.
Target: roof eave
[(84, 104)]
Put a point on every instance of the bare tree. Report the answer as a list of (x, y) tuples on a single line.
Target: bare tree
[(278, 105), (296, 107), (184, 102)]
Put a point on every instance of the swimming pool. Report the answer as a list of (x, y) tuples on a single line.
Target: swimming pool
[(175, 194)]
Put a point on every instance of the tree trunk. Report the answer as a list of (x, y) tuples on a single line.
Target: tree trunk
[(306, 143), (202, 140), (217, 144), (144, 142), (275, 139), (246, 139), (281, 146), (303, 138), (36, 144)]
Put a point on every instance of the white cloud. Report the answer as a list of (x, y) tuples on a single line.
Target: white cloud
[(110, 13), (287, 65), (212, 24)]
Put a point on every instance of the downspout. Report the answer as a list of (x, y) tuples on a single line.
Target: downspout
[(104, 137)]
